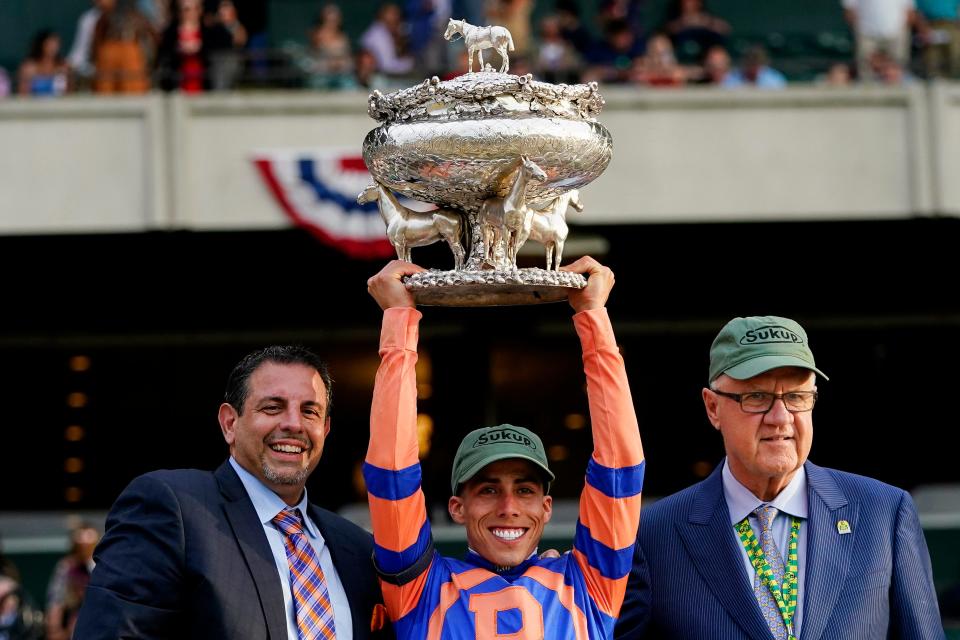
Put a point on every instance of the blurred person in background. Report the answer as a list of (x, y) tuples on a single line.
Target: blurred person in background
[(459, 67), (327, 61), (941, 37), (515, 16), (7, 566), (885, 69), (69, 583), (224, 40), (658, 67), (386, 40), (716, 66), (880, 24), (572, 28), (4, 83), (368, 76), (181, 58), (80, 57), (520, 65), (254, 15), (693, 29), (9, 605), (612, 60), (755, 71), (19, 620), (838, 75), (44, 72), (335, 56), (469, 10), (123, 42), (629, 11), (427, 20), (557, 61), (157, 12)]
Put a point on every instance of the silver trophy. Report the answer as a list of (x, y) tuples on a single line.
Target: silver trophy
[(502, 157)]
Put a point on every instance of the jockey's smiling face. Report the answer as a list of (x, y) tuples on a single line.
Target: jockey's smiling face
[(504, 509)]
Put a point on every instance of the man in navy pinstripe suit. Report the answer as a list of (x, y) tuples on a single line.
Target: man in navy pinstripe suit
[(771, 545)]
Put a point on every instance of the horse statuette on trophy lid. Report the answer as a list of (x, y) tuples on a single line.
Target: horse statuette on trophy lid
[(477, 39), (505, 155)]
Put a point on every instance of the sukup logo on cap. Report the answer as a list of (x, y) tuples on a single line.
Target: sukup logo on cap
[(494, 436), (480, 447), (747, 347), (770, 334)]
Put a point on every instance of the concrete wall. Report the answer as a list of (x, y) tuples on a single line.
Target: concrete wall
[(800, 154), (945, 143), (83, 164), (87, 164)]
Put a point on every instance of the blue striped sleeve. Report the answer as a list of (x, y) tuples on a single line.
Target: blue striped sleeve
[(392, 485), (611, 563), (394, 562), (623, 482)]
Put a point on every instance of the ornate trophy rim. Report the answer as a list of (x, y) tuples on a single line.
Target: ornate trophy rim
[(485, 94)]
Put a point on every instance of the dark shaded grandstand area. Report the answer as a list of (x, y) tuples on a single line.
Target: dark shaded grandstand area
[(130, 337)]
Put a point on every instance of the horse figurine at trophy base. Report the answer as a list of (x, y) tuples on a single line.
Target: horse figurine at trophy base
[(479, 38), (407, 228), (506, 221), (549, 226)]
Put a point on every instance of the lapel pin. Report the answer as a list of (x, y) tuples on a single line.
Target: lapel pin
[(843, 527)]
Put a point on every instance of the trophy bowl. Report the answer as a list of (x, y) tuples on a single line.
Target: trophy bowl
[(460, 164), (504, 154)]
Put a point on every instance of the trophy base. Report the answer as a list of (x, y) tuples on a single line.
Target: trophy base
[(491, 288)]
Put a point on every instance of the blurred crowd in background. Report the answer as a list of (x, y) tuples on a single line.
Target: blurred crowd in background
[(23, 619), (133, 46)]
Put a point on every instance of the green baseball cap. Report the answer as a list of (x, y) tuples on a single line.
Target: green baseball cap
[(489, 444), (747, 347)]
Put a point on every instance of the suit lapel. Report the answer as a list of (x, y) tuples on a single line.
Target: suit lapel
[(828, 552), (346, 560), (714, 552), (256, 550)]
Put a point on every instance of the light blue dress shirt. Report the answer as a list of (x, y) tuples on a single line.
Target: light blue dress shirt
[(792, 501), (268, 504)]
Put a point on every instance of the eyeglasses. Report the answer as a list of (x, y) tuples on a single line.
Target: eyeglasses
[(762, 401)]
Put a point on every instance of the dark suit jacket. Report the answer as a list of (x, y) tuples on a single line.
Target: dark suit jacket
[(185, 556), (689, 581)]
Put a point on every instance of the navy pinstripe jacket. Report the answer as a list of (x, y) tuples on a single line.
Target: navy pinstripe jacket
[(689, 582)]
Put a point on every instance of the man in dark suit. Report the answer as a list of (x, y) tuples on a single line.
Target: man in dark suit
[(239, 553), (771, 545)]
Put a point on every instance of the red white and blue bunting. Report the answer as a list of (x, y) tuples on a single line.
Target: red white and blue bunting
[(318, 190)]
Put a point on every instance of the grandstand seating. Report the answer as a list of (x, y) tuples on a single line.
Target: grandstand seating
[(803, 38)]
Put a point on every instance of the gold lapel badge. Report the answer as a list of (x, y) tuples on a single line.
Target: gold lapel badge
[(843, 527)]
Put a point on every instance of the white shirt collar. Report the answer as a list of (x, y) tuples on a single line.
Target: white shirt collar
[(741, 502), (268, 504)]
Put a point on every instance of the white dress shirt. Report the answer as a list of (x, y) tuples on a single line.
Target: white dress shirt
[(268, 504)]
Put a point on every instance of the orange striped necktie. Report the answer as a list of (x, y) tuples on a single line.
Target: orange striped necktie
[(311, 601)]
